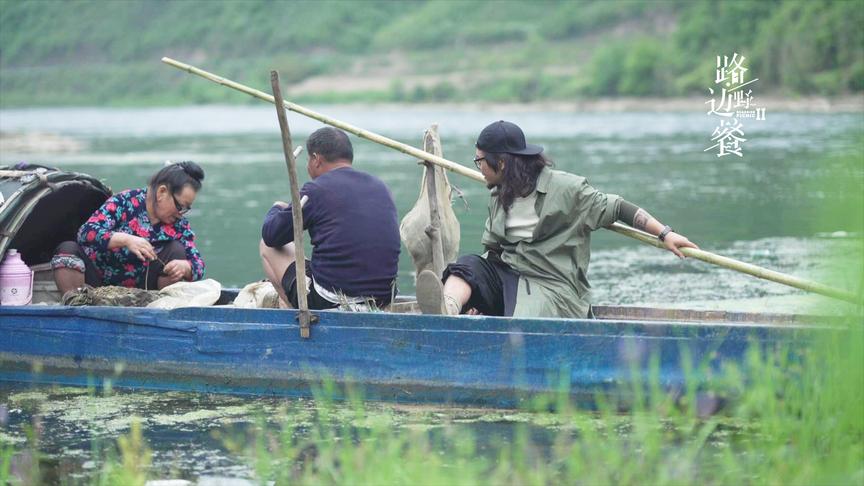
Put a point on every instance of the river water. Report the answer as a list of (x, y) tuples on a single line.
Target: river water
[(764, 208)]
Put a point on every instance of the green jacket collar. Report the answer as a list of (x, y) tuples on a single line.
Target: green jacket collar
[(544, 179)]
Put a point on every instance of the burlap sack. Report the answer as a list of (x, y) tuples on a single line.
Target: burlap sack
[(415, 223)]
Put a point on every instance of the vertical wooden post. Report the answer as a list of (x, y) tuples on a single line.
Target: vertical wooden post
[(432, 145), (296, 208)]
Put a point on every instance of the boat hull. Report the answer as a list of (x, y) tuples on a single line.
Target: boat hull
[(397, 357)]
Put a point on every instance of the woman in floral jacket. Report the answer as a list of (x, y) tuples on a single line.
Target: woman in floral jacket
[(138, 238)]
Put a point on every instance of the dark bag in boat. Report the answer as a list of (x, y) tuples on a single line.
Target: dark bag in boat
[(40, 207)]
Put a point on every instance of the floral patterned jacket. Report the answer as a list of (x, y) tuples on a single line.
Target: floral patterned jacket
[(126, 212)]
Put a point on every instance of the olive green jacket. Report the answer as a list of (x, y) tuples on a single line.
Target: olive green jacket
[(553, 262)]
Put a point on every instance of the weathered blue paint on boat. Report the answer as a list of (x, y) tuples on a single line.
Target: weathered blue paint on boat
[(479, 360)]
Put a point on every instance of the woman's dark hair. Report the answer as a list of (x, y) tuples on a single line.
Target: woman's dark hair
[(330, 143), (520, 174), (177, 175)]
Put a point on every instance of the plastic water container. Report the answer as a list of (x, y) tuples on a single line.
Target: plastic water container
[(16, 280)]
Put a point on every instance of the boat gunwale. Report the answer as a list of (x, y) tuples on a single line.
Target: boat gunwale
[(185, 319)]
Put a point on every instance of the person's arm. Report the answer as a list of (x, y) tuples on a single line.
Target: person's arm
[(136, 245), (638, 218), (487, 240), (192, 268), (99, 231), (278, 228)]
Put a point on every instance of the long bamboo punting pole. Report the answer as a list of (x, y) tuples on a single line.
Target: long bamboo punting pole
[(404, 148), (739, 266), (702, 255)]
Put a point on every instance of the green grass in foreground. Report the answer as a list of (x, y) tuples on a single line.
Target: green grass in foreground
[(793, 422)]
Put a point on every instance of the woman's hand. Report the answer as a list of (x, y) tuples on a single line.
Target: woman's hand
[(177, 270), (139, 247)]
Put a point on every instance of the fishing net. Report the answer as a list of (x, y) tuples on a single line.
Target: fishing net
[(181, 294), (418, 219), (110, 296)]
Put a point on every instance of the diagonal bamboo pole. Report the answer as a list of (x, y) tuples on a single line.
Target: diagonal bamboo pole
[(742, 267), (705, 256), (404, 148)]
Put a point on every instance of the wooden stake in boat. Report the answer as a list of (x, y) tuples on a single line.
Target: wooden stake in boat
[(432, 144), (702, 255), (296, 209)]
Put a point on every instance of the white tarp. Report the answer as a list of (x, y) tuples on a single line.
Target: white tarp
[(202, 293)]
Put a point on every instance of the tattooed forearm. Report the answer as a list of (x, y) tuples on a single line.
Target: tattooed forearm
[(640, 221)]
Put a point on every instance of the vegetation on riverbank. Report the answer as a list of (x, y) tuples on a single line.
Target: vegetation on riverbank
[(406, 51)]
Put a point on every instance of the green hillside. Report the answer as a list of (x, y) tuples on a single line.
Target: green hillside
[(107, 52)]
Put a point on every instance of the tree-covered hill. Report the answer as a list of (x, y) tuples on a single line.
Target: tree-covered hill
[(107, 52)]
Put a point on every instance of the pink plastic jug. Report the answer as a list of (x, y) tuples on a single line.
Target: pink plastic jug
[(16, 280)]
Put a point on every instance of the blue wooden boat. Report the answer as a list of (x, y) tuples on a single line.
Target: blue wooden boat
[(400, 357), (390, 356)]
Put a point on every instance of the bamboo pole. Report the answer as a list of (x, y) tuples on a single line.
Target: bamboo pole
[(702, 255), (743, 267), (432, 144), (404, 148), (296, 210)]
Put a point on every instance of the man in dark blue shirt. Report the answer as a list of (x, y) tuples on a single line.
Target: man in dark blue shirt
[(353, 225)]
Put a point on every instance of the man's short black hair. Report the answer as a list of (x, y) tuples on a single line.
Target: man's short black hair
[(330, 143)]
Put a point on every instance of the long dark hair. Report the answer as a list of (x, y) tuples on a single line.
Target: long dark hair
[(177, 175), (520, 174)]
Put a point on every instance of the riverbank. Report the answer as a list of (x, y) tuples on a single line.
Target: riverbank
[(34, 137), (430, 51), (773, 103)]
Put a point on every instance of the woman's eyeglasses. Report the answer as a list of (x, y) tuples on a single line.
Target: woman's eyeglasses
[(477, 160), (180, 209)]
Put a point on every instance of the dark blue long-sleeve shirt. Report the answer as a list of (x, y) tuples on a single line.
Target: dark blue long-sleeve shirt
[(354, 228)]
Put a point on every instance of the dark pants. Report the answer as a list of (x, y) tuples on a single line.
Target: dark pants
[(167, 251), (315, 301), (289, 284), (493, 283)]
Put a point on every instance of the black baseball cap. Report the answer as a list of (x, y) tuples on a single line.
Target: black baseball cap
[(503, 136)]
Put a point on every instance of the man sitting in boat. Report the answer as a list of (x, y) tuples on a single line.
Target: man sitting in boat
[(353, 225), (138, 238), (537, 236)]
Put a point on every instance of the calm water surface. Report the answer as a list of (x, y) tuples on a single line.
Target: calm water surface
[(762, 208)]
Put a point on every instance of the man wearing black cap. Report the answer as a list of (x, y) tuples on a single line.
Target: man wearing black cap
[(537, 237)]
